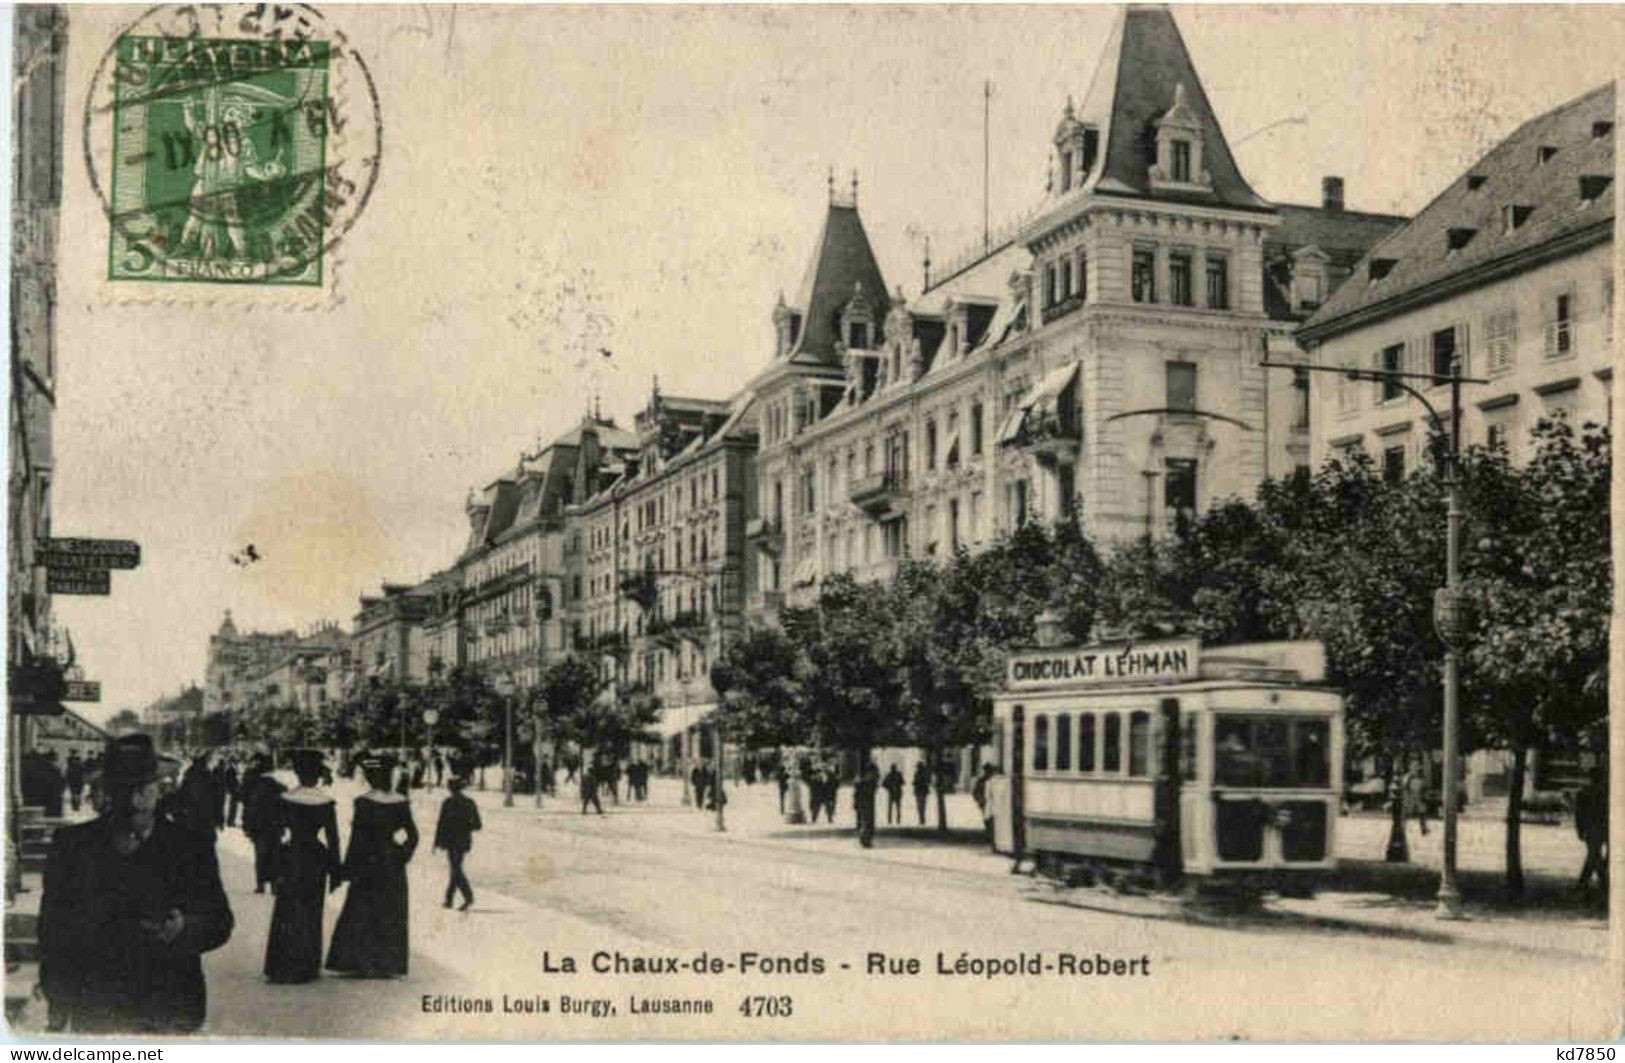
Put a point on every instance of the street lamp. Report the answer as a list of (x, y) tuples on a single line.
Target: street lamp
[(1449, 609), (505, 687)]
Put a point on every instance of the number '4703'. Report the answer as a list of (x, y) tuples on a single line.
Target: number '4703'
[(766, 1007)]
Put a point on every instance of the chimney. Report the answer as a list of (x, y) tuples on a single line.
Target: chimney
[(1331, 194)]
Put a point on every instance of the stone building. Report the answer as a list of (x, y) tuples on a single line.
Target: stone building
[(1510, 268), (238, 660), (663, 558), (1101, 363)]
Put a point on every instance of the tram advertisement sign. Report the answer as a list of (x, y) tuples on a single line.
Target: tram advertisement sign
[(1168, 660)]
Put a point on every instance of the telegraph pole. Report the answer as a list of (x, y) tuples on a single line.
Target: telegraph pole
[(1449, 606)]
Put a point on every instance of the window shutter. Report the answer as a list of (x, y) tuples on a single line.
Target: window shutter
[(1462, 350)]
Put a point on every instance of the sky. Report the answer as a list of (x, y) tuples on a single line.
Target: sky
[(643, 180)]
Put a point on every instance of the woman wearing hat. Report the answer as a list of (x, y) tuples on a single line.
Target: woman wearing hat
[(131, 902), (370, 939), (306, 861)]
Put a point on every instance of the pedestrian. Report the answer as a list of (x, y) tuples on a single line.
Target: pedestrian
[(921, 785), (52, 785), (1415, 800), (307, 864), (571, 764), (370, 939), (419, 768), (234, 791), (589, 788), (995, 795), (781, 775), (454, 834), (76, 779), (197, 801), (695, 780), (979, 794), (612, 777), (439, 769), (261, 792), (863, 803), (1591, 824), (130, 905), (893, 785)]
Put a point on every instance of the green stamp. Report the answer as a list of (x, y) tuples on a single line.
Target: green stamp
[(219, 162)]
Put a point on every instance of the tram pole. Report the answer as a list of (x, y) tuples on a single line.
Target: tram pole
[(1449, 895)]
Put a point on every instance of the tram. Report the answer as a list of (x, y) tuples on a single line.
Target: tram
[(1168, 763)]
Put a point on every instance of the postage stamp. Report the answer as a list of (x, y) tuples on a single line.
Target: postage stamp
[(219, 153), (230, 145)]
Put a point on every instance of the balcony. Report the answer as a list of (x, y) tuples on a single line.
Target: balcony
[(766, 533), (1052, 438), (880, 493), (1062, 307)]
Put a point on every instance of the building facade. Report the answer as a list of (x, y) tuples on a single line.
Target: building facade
[(1102, 364), (1510, 268), (238, 660)]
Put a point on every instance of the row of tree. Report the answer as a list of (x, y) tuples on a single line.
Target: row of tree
[(1344, 556)]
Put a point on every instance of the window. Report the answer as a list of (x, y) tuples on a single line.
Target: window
[(1063, 742), (809, 497), (931, 443), (1086, 742), (976, 427), (1393, 464), (1392, 361), (1143, 276), (1560, 331), (1444, 352), (1112, 754), (1066, 170), (976, 516), (1271, 752), (1218, 282), (860, 335), (1300, 399), (893, 531), (1139, 744), (953, 524), (1066, 278), (1179, 489), (778, 503), (1083, 277), (1179, 160), (1500, 339), (1050, 298), (1496, 437), (1040, 742), (1181, 377), (1179, 278), (1018, 503)]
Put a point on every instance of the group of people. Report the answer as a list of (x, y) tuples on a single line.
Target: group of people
[(43, 782), (133, 898), (605, 774)]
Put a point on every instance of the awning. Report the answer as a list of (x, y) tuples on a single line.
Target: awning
[(1045, 396), (806, 572), (676, 719)]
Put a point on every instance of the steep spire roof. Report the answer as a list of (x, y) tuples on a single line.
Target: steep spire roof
[(842, 259), (1144, 70)]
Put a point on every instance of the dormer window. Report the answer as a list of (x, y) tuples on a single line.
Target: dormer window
[(1457, 238), (1308, 278), (1066, 171), (1475, 181), (1601, 129), (1179, 158), (1593, 186), (1545, 153), (858, 335), (1075, 144), (1516, 214), (1378, 268)]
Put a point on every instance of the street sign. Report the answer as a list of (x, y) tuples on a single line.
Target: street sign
[(90, 553), (82, 690), (93, 581), (1452, 615)]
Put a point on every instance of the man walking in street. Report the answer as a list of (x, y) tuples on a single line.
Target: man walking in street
[(921, 784), (863, 803), (131, 902), (261, 792), (234, 791), (893, 785), (1591, 824), (76, 779), (589, 788), (454, 833)]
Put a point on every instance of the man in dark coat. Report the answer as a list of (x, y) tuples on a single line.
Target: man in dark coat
[(1591, 824), (51, 786), (261, 791), (131, 903), (863, 803), (921, 784), (893, 785), (459, 819), (198, 799), (589, 788), (234, 791), (76, 779)]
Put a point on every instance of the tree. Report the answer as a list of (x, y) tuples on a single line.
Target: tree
[(768, 703), (849, 668), (1538, 658)]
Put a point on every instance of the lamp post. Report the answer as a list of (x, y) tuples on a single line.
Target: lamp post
[(1449, 607), (506, 689), (538, 716)]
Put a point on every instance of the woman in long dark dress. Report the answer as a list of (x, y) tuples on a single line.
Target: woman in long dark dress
[(370, 939), (306, 861)]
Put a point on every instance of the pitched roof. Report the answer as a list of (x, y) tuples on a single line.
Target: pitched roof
[(1139, 75), (1345, 235), (841, 259), (1516, 172)]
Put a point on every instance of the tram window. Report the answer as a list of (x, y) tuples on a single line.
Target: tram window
[(1063, 742), (1275, 752), (1139, 742), (1040, 743), (1086, 742), (1187, 748), (1112, 756)]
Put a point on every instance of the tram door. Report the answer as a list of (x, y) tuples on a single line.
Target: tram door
[(1018, 781), (1167, 853)]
